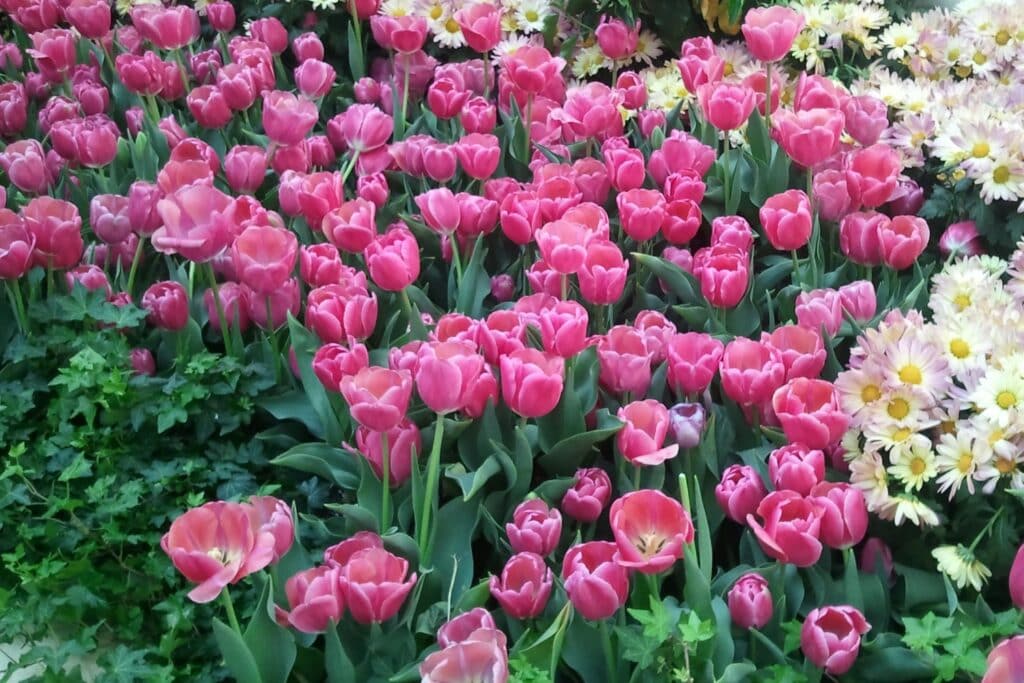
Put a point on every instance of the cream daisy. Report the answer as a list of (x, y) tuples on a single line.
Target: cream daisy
[(904, 507), (868, 474), (532, 14), (859, 389), (1001, 178), (648, 47), (957, 460), (916, 362), (961, 566), (999, 397), (915, 467)]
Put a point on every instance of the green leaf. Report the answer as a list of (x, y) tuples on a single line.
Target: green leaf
[(565, 457), (475, 285), (895, 664), (327, 462), (925, 633), (679, 282), (271, 646), (738, 672), (237, 656), (305, 345), (336, 662), (453, 553), (472, 482), (757, 136)]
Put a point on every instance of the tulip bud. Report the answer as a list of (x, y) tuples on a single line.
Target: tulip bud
[(524, 586), (167, 305), (597, 585), (535, 528), (588, 495), (830, 637), (750, 601), (686, 420)]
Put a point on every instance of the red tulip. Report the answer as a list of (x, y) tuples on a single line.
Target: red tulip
[(597, 585), (830, 637), (218, 544), (588, 495), (535, 528), (375, 583), (642, 437), (739, 492), (531, 382), (791, 526), (377, 397), (650, 529), (750, 601)]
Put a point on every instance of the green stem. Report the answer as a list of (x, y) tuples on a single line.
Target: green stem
[(135, 265), (14, 292), (565, 287), (797, 279), (229, 607), (221, 318), (385, 480), (487, 75), (725, 171), (526, 128), (768, 97), (405, 92), (636, 478), (988, 527), (184, 70), (453, 240), (49, 279), (272, 338), (609, 652), (406, 305), (430, 493), (348, 168)]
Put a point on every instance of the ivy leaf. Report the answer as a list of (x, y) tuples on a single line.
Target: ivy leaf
[(696, 630), (925, 633)]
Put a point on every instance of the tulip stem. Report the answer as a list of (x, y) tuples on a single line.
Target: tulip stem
[(609, 652), (430, 492), (405, 90), (272, 338), (526, 128), (768, 97), (346, 171), (385, 480), (453, 240), (487, 75), (135, 266), (565, 287), (229, 607), (797, 279), (636, 479), (221, 318), (725, 170), (14, 292)]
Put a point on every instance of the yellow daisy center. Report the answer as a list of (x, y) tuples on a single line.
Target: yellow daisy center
[(959, 348), (901, 435), (436, 12), (910, 374), (1001, 174), (995, 437), (964, 463), (1003, 37), (918, 466), (1005, 466), (451, 26), (870, 393), (980, 150), (1006, 400), (980, 58), (531, 15), (962, 301), (900, 41), (898, 408)]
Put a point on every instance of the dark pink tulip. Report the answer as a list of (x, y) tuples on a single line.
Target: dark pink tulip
[(91, 18), (751, 371), (693, 359), (167, 305), (16, 246), (375, 583), (787, 220), (625, 361), (724, 273), (617, 40), (602, 277), (56, 228), (481, 26), (393, 259), (625, 168), (520, 216), (237, 86), (108, 217), (53, 51), (642, 213), (280, 303), (530, 68), (789, 527), (271, 32), (959, 238), (633, 90), (524, 586), (404, 443), (830, 637), (24, 162), (314, 78), (446, 98), (531, 382), (478, 154), (377, 397), (90, 276), (796, 467), (307, 46), (478, 116), (142, 362), (650, 530), (1005, 661), (845, 518), (588, 495), (733, 231), (287, 119), (142, 207), (739, 492), (859, 236), (535, 528), (641, 441), (750, 601), (234, 301), (808, 137), (596, 583), (337, 312), (333, 361), (683, 219), (808, 411), (871, 175), (169, 28), (503, 287)]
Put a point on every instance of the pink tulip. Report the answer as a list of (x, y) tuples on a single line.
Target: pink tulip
[(89, 276), (478, 154), (393, 259), (1005, 661), (871, 175), (169, 28), (339, 554), (683, 219), (351, 227), (732, 231), (959, 238), (902, 240), (770, 31), (642, 437), (91, 18), (264, 257), (287, 119), (16, 246), (631, 86), (377, 397), (625, 168), (314, 78), (563, 328), (808, 137), (830, 637), (315, 599), (875, 555), (142, 362), (590, 111), (750, 601), (625, 361), (563, 245), (845, 518), (588, 495), (374, 584), (617, 40), (234, 301), (271, 32), (408, 34), (808, 410), (333, 361), (699, 63), (693, 359), (650, 529), (535, 528), (791, 525), (108, 217), (305, 47), (751, 371), (597, 585), (481, 26), (726, 106), (680, 151), (56, 228), (739, 492), (320, 264), (831, 195), (197, 223), (446, 98), (524, 586), (649, 120), (814, 91), (481, 656), (337, 312), (460, 628), (445, 373), (787, 220), (866, 118), (859, 237), (167, 305), (796, 468), (820, 308), (24, 162), (530, 68), (477, 216), (642, 213), (602, 277), (724, 274), (802, 349), (404, 444), (907, 200), (531, 382), (217, 544), (54, 53), (858, 300), (478, 116)]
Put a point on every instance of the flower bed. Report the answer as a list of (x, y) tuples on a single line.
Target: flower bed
[(450, 369)]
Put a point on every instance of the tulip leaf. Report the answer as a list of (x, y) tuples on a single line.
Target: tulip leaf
[(678, 281), (757, 136), (293, 405), (697, 590), (738, 672), (323, 460), (237, 656), (305, 345), (453, 551), (894, 664), (567, 455), (336, 661), (744, 319), (852, 592), (724, 647), (475, 285), (472, 482), (567, 419), (272, 647)]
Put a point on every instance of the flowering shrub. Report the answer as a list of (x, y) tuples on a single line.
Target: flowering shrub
[(539, 366)]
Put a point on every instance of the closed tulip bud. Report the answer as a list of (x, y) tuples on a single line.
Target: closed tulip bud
[(271, 32), (315, 599), (221, 15), (209, 107), (478, 154), (393, 259), (524, 586), (56, 228), (108, 217), (563, 328), (642, 437), (906, 200), (237, 85), (858, 300), (787, 220), (624, 360), (830, 637), (733, 231), (859, 237), (478, 116), (588, 495), (750, 601), (535, 528), (520, 216), (808, 410), (770, 31), (278, 304), (726, 106), (649, 120), (503, 287), (876, 556), (314, 78), (616, 40), (866, 117), (446, 98), (377, 397), (597, 585), (796, 468), (333, 361), (739, 492), (531, 382), (142, 207), (686, 422), (808, 137), (650, 530), (724, 273), (287, 119), (142, 362), (307, 46), (89, 276), (845, 518), (245, 167), (166, 304), (633, 90), (902, 240), (642, 213), (831, 195), (625, 168), (959, 239), (24, 162), (404, 442), (375, 583), (682, 220), (602, 278)]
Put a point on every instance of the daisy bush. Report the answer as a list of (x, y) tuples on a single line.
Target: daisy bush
[(493, 341)]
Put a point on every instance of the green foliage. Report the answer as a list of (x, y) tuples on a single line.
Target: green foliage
[(958, 645)]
